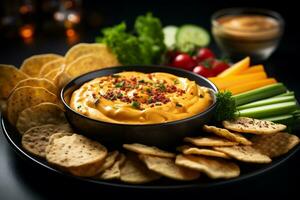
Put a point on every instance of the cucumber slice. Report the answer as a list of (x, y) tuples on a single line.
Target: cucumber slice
[(190, 36), (169, 34)]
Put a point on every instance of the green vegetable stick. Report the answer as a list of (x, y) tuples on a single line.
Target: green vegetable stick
[(260, 93), (268, 110), (267, 102)]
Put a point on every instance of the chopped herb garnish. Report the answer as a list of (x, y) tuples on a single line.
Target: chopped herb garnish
[(158, 104), (119, 95), (115, 76), (135, 104), (176, 82), (148, 90), (120, 84), (78, 107), (178, 104), (142, 81), (150, 100), (161, 87)]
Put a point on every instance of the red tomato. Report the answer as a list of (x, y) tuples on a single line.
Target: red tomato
[(184, 61), (204, 53), (203, 71), (219, 66)]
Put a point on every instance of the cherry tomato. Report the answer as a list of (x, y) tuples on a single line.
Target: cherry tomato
[(204, 53), (219, 66), (184, 61), (203, 71)]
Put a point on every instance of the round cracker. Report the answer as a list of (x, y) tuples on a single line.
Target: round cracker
[(148, 150), (49, 66), (276, 144), (187, 150), (113, 172), (32, 65), (10, 76), (44, 113), (38, 82), (83, 49), (209, 141), (26, 97), (245, 154), (134, 171), (76, 154), (87, 63), (167, 167), (235, 137), (36, 139), (212, 167), (254, 126)]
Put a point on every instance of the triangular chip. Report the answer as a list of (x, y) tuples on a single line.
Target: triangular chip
[(44, 113), (276, 144), (32, 65), (10, 76), (245, 154), (148, 150), (212, 167), (255, 126), (235, 137), (25, 97), (209, 141), (167, 167)]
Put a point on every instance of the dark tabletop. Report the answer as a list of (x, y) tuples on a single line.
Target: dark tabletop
[(22, 180)]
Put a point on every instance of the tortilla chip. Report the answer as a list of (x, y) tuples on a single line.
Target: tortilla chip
[(38, 82), (114, 172), (26, 97), (109, 161), (235, 137), (276, 144), (135, 172), (61, 79), (3, 106), (87, 63), (84, 49), (209, 141), (187, 150), (212, 167), (49, 66), (33, 65), (76, 154), (10, 76), (255, 126), (245, 154), (52, 74), (36, 139), (148, 150), (167, 167), (44, 113)]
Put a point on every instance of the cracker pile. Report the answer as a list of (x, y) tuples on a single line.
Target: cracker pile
[(28, 97)]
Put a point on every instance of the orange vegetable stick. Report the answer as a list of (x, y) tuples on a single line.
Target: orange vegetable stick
[(236, 68), (254, 69), (250, 85), (230, 81)]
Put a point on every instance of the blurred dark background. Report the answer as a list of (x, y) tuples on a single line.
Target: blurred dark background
[(34, 27)]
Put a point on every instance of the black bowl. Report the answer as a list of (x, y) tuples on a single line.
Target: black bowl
[(163, 135)]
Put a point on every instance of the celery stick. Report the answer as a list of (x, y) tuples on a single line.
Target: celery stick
[(268, 110), (282, 119), (267, 102), (288, 93), (260, 93)]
